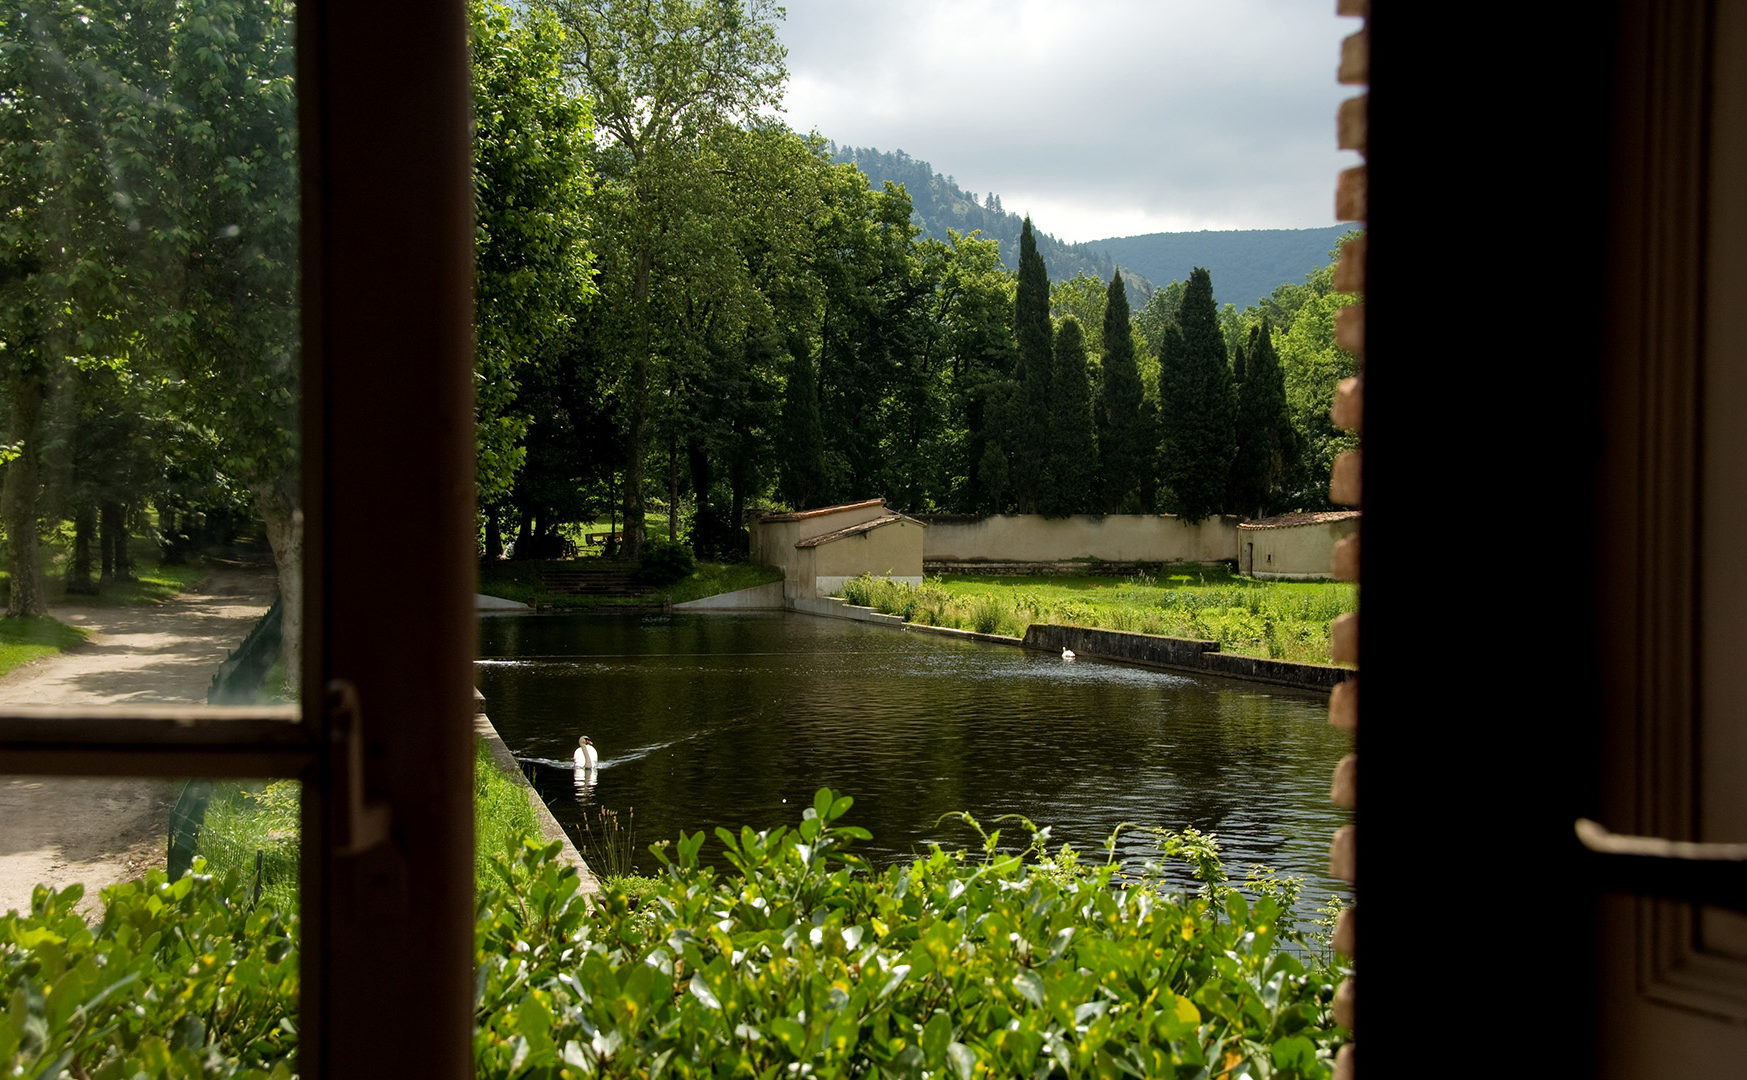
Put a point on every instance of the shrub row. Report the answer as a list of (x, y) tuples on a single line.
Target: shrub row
[(799, 962)]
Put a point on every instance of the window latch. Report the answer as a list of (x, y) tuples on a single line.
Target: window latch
[(1714, 874), (358, 825)]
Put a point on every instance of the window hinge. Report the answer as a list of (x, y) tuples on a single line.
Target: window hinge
[(1714, 874), (358, 825)]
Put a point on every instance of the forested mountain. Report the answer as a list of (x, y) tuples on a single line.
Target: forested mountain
[(939, 204), (1246, 264)]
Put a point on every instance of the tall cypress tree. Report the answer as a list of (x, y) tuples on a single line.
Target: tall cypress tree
[(1028, 441), (1069, 485), (1263, 428), (1195, 405), (1122, 436), (803, 437)]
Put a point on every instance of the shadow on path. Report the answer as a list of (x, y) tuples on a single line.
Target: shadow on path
[(101, 830)]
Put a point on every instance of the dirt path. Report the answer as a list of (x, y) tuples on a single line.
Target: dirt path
[(59, 830)]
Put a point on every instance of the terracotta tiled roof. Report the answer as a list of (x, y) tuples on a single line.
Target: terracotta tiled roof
[(1287, 521), (802, 515), (854, 530)]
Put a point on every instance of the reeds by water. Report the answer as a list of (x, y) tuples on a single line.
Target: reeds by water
[(1278, 620)]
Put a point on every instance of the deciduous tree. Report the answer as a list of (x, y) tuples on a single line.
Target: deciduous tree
[(663, 74), (531, 264)]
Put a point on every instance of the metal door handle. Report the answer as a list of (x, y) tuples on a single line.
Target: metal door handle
[(1677, 869)]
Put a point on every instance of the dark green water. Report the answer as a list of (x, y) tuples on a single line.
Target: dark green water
[(706, 720)]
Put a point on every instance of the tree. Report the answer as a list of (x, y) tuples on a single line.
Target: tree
[(1264, 439), (803, 440), (1084, 297), (531, 180), (1123, 440), (67, 171), (1195, 405), (663, 77), (1071, 480), (1031, 328)]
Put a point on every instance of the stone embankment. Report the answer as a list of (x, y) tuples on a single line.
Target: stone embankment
[(1181, 654), (1148, 650)]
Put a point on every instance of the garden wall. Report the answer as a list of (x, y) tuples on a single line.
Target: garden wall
[(549, 828), (1182, 654), (1297, 547), (1119, 538)]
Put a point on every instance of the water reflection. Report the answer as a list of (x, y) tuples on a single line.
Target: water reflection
[(729, 720)]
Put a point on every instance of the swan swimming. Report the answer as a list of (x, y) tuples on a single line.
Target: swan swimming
[(1067, 654), (585, 756)]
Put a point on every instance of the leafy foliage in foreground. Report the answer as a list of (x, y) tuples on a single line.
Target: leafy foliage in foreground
[(178, 979), (801, 963), (804, 963)]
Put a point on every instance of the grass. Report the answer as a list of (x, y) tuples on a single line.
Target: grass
[(33, 637), (710, 579), (1281, 620), (154, 583), (250, 820), (520, 581), (500, 811)]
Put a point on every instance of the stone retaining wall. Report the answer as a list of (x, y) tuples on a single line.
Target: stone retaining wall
[(1151, 650), (550, 830), (1181, 654)]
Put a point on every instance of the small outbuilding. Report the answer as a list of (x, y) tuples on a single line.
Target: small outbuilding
[(818, 550), (1296, 547)]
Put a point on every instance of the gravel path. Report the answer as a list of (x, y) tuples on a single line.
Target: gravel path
[(99, 831)]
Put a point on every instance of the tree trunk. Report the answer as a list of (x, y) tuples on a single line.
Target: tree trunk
[(109, 540), (123, 547), (79, 572), (673, 489), (169, 527), (639, 411), (493, 534), (284, 521), (18, 498)]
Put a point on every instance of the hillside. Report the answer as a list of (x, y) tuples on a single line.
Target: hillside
[(938, 204), (1246, 265)]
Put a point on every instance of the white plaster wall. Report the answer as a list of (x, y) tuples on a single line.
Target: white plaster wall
[(1300, 552), (1112, 537)]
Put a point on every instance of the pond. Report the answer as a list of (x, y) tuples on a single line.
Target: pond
[(706, 720)]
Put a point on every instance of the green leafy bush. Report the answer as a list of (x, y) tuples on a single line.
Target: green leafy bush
[(799, 962), (802, 962), (177, 979), (664, 562)]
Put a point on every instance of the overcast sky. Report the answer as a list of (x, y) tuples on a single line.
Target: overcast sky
[(1097, 117)]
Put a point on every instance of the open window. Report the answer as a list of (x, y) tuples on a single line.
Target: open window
[(383, 739)]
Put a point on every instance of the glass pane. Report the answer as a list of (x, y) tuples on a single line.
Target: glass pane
[(209, 963), (149, 351)]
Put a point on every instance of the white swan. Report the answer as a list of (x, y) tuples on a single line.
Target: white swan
[(585, 755), (1067, 654)]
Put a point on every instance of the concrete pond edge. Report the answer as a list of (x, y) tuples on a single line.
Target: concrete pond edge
[(1144, 650), (548, 825)]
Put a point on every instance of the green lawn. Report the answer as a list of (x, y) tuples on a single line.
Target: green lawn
[(249, 818), (520, 581), (1283, 620), (32, 637)]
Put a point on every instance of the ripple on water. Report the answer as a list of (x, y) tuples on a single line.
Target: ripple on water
[(737, 719)]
